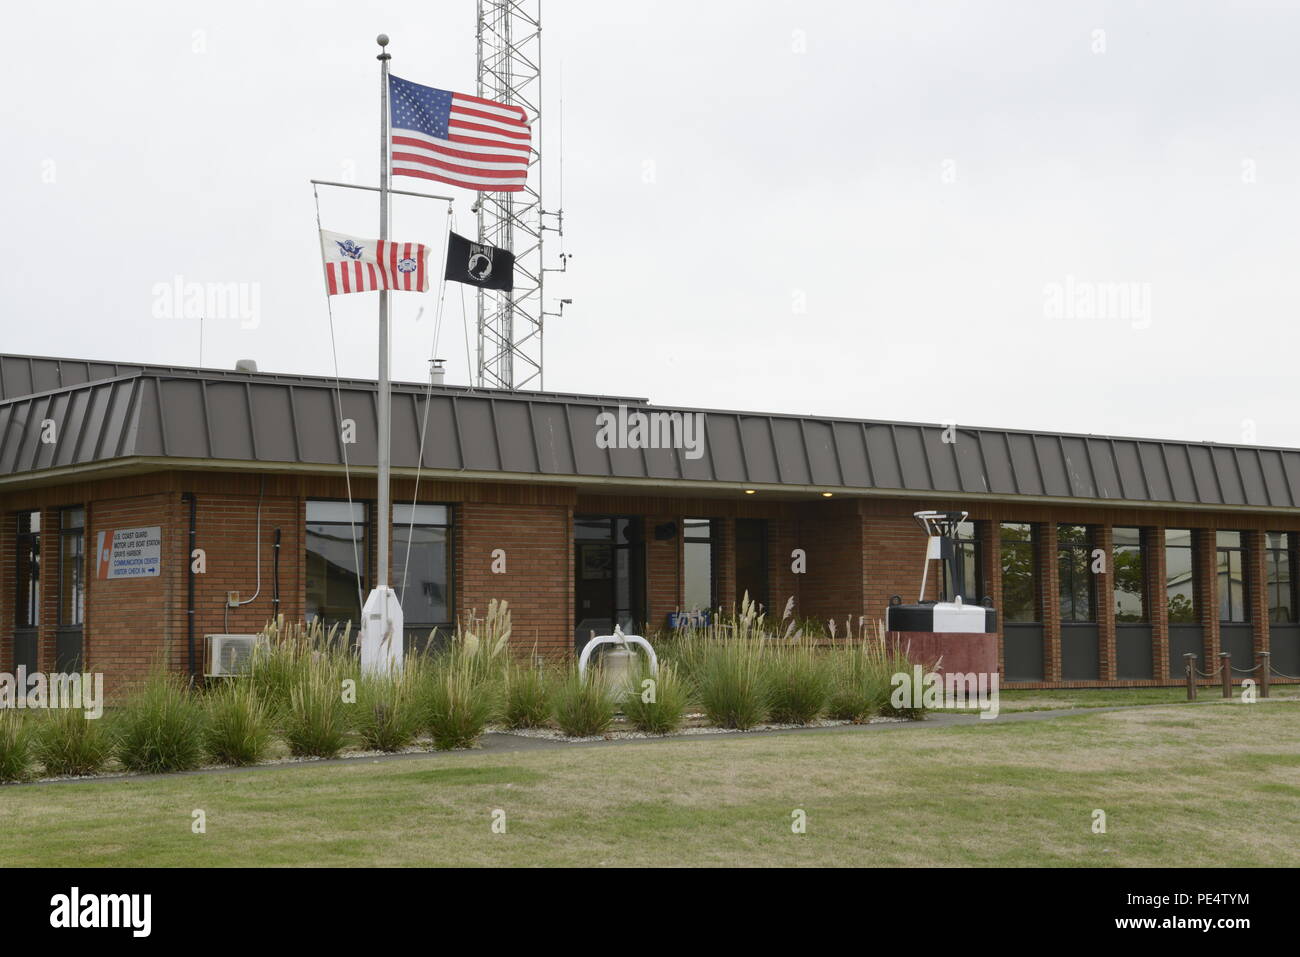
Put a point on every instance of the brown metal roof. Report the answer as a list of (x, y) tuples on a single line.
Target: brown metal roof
[(109, 411)]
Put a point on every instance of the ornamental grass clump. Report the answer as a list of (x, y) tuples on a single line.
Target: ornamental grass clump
[(387, 711), (527, 696), (15, 747), (582, 705), (863, 669), (238, 728), (69, 744), (731, 678), (656, 704), (799, 683), (315, 723), (458, 701), (160, 728), (289, 652)]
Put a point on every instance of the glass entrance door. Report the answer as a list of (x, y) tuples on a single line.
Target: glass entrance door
[(608, 575)]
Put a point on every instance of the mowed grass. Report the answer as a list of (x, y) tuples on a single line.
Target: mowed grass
[(1206, 786)]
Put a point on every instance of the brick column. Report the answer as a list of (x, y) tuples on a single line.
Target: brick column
[(1049, 600), (724, 561), (1153, 554), (1207, 611), (1104, 539), (1256, 582)]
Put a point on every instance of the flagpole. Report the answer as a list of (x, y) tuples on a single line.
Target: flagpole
[(384, 519)]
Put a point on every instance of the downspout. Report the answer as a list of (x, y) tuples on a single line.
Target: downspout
[(275, 578), (189, 585)]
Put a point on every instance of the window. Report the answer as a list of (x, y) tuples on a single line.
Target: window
[(337, 564), (27, 613), (1130, 576), (1230, 562), (1180, 576), (1074, 568), (423, 532), (1279, 552), (751, 559), (72, 566), (1019, 572), (969, 580), (700, 595)]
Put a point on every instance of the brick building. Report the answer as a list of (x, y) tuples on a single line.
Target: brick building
[(1107, 558)]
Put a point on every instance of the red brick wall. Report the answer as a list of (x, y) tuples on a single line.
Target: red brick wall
[(538, 583)]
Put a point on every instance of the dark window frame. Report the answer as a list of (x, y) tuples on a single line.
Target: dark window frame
[(1035, 569), (1143, 555), (1242, 552), (1192, 547), (66, 533), (450, 527), (1080, 555), (764, 545), (714, 543), (1271, 581), (963, 545), (27, 608), (365, 550)]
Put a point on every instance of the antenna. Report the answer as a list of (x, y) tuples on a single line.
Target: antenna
[(510, 324)]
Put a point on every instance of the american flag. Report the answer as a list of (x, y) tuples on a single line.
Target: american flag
[(364, 265), (458, 139)]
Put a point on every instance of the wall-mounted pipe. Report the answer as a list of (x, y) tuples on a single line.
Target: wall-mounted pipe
[(275, 578)]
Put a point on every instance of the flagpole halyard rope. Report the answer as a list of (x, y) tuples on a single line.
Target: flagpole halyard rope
[(338, 403), (424, 421)]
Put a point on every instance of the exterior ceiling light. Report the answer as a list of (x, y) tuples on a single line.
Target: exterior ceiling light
[(827, 494), (749, 491)]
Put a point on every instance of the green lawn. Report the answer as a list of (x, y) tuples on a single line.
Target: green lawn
[(1051, 699), (1212, 785)]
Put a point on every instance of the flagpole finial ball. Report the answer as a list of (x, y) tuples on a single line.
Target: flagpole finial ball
[(382, 39)]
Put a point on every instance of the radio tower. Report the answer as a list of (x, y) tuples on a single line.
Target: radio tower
[(510, 323)]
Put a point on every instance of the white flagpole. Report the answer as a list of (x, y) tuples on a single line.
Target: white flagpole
[(384, 518), (382, 637)]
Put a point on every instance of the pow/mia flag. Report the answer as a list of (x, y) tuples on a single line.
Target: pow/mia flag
[(479, 264)]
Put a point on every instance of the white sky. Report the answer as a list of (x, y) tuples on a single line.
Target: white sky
[(180, 137)]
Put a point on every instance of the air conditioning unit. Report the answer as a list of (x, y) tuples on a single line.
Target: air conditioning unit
[(230, 654)]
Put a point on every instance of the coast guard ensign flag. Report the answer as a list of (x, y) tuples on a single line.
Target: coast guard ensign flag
[(364, 265), (457, 138)]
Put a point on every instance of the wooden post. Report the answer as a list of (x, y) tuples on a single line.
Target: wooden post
[(1264, 660), (1225, 663), (1191, 675)]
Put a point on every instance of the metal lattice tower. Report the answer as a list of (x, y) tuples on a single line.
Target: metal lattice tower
[(510, 324)]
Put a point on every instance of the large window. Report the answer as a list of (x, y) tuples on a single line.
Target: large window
[(1130, 576), (1074, 567), (969, 581), (27, 613), (1019, 572), (1180, 576), (72, 566), (423, 532), (1279, 562), (337, 567), (1230, 561), (700, 594)]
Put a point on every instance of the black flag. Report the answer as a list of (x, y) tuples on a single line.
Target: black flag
[(479, 264)]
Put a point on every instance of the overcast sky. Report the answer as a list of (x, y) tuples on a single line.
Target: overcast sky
[(891, 210)]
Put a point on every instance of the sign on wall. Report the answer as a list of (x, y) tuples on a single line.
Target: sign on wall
[(130, 552)]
